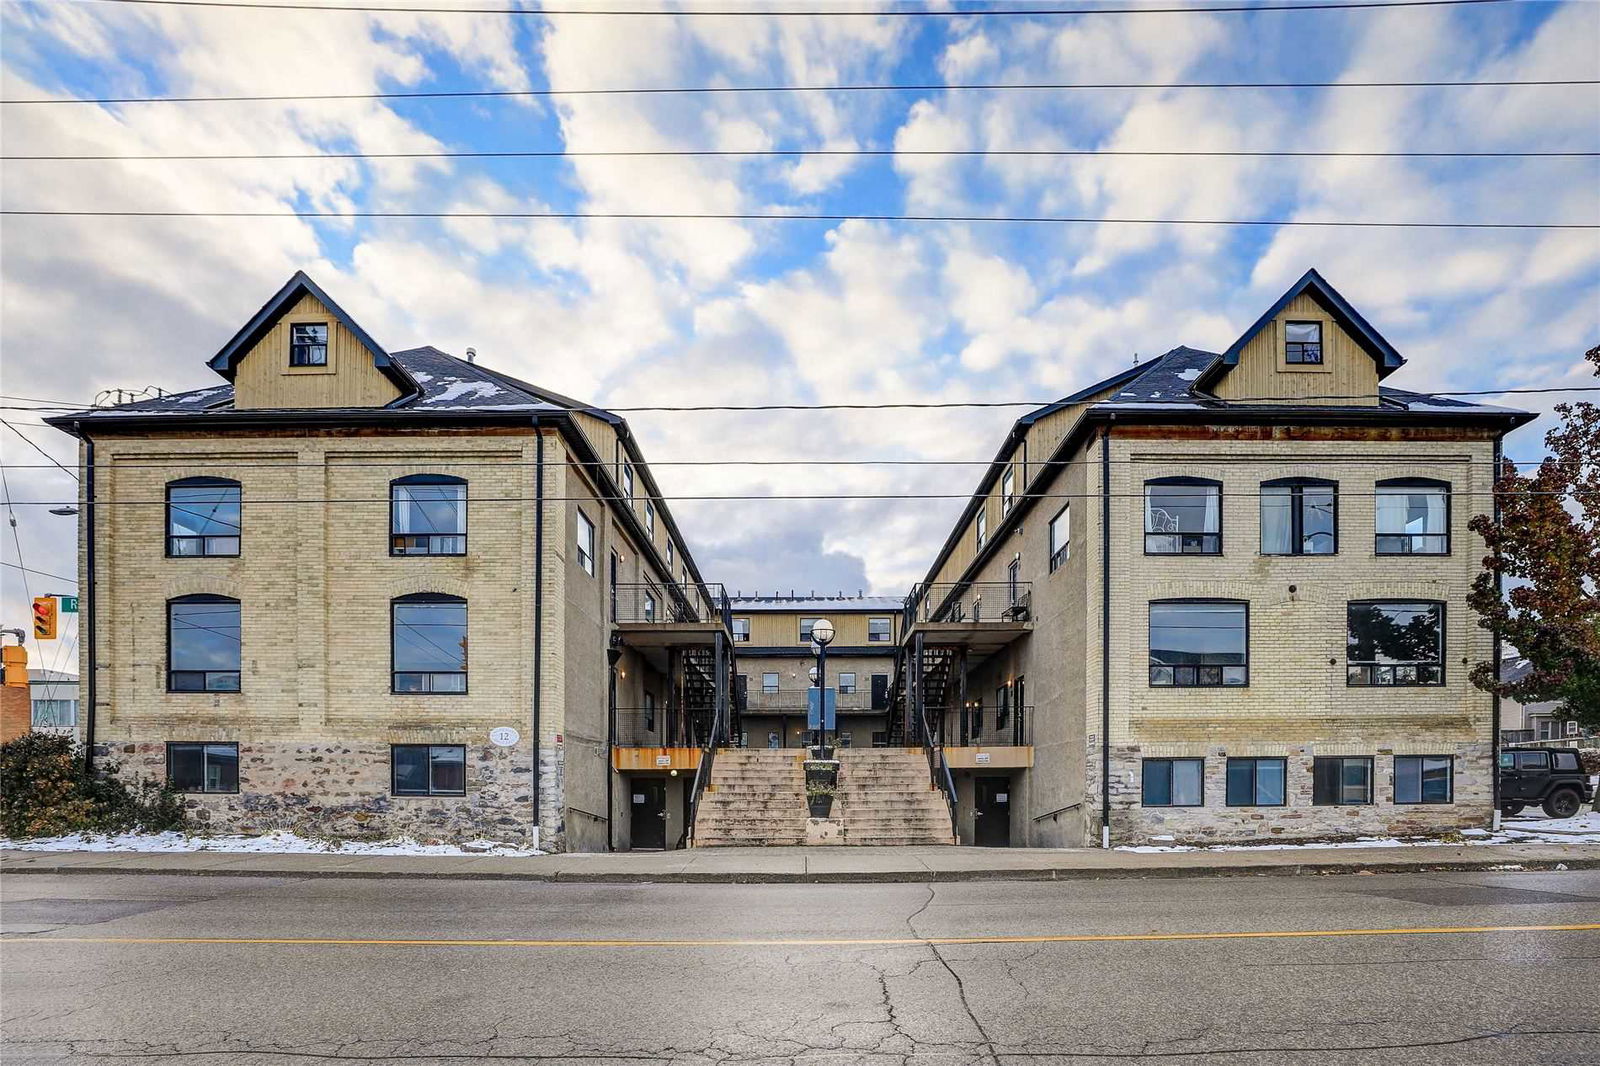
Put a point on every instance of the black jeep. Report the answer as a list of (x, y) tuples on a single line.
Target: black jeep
[(1553, 777)]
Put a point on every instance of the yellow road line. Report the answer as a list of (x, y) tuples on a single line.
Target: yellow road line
[(1054, 938)]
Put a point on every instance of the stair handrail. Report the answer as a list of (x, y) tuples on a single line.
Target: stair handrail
[(702, 772), (939, 769)]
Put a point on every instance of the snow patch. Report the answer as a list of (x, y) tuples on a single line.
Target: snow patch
[(458, 390), (1188, 375), (1580, 829), (281, 842), (203, 394)]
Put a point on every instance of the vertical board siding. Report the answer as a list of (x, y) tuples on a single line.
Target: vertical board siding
[(265, 380)]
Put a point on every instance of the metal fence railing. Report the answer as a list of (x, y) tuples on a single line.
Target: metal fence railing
[(982, 601), (983, 726), (670, 602)]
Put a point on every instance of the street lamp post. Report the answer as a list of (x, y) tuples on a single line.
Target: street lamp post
[(821, 637)]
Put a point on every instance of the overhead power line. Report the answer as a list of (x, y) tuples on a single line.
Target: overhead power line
[(777, 216), (947, 404), (41, 573), (762, 12), (785, 153), (625, 499), (723, 90), (29, 442)]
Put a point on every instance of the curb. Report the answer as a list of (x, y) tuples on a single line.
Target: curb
[(688, 877)]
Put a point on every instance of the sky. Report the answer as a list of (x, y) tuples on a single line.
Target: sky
[(644, 312)]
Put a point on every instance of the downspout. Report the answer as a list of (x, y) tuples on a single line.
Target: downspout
[(86, 619), (538, 611), (1494, 716), (612, 656), (1105, 636)]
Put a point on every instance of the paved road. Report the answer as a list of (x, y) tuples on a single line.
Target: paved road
[(101, 968)]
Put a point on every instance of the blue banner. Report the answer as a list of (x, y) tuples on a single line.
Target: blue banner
[(812, 699)]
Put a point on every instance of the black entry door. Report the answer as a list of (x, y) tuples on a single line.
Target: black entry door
[(991, 811), (649, 812)]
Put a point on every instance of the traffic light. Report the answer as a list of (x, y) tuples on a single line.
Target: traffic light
[(44, 618), (15, 658)]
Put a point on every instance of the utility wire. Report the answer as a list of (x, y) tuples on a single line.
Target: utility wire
[(761, 153), (1192, 402), (234, 463), (41, 573), (772, 216), (965, 12), (724, 90), (601, 498), (29, 441)]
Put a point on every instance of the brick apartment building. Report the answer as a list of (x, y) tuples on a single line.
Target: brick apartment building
[(772, 636), (1218, 596), (281, 574)]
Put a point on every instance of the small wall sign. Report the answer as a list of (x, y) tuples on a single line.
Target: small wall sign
[(663, 760), (982, 756), (504, 736)]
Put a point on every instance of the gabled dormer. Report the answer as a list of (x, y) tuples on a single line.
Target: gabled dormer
[(1311, 347), (301, 350)]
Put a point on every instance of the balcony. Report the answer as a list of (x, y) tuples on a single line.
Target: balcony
[(979, 738), (657, 738), (981, 616), (669, 614)]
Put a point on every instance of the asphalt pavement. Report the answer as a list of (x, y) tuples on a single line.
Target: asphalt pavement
[(1447, 967)]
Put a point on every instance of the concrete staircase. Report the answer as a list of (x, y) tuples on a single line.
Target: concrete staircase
[(886, 797), (756, 798)]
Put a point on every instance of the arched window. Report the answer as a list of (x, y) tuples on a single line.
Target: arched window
[(1299, 516), (1413, 516), (1182, 516), (428, 515), (428, 635), (202, 517), (203, 644)]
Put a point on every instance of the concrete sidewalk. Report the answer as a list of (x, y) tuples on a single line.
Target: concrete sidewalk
[(818, 865)]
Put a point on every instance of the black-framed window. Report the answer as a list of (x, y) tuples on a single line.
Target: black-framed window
[(650, 521), (741, 630), (308, 344), (1257, 782), (1302, 343), (429, 643), (1199, 643), (650, 712), (1394, 643), (627, 479), (1060, 537), (1174, 783), (1413, 516), (769, 682), (1014, 580), (1424, 779), (806, 625), (1002, 707), (847, 683), (585, 543), (1008, 490), (880, 630), (203, 517), (428, 769), (672, 560), (1182, 516), (204, 644), (1341, 780), (203, 767), (983, 524), (428, 515), (1299, 516), (650, 604)]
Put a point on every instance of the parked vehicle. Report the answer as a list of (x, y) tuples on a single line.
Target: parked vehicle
[(1551, 777)]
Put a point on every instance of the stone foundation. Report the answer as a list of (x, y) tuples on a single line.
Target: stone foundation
[(1299, 819), (343, 790)]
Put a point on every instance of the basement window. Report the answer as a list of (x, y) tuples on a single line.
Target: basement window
[(1258, 782), (1302, 343), (308, 344), (1424, 779), (203, 767), (429, 769), (1341, 781), (1174, 783)]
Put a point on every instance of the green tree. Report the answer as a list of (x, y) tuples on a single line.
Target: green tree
[(1546, 543)]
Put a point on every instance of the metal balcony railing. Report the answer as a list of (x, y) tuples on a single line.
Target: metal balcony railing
[(982, 601), (672, 603), (661, 727), (984, 727)]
